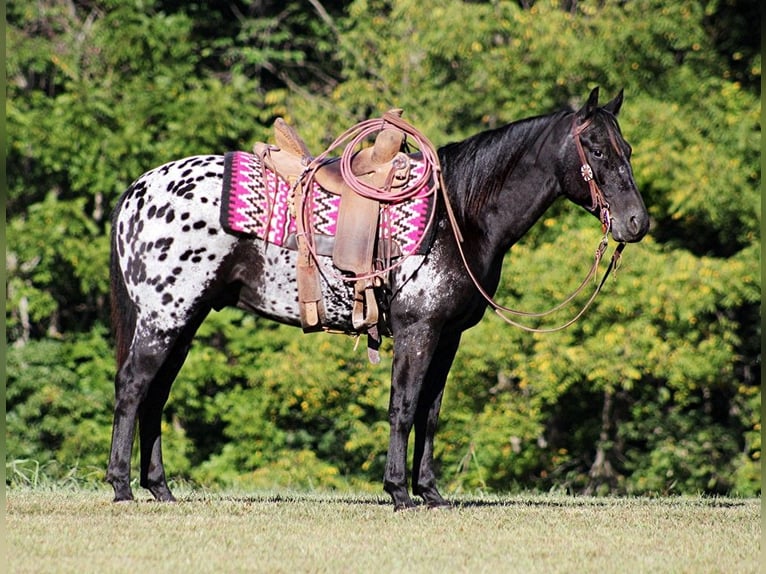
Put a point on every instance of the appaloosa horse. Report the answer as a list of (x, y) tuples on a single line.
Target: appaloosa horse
[(172, 263)]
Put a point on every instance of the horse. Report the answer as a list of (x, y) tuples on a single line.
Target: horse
[(172, 263)]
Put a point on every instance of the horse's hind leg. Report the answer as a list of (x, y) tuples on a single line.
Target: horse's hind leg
[(150, 429), (132, 383), (141, 386), (150, 415)]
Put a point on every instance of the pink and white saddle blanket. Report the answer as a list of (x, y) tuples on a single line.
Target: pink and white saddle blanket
[(256, 202)]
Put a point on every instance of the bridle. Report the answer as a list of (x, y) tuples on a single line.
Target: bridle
[(598, 201), (600, 204)]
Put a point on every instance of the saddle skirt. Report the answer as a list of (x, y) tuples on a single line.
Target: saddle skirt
[(256, 202)]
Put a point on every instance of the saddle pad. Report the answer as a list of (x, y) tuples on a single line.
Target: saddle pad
[(256, 202)]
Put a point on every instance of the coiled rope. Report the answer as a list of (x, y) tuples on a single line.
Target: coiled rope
[(425, 185)]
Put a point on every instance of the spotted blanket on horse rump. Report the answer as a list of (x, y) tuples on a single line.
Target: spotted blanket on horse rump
[(252, 206)]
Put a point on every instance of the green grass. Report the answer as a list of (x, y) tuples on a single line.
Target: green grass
[(82, 531)]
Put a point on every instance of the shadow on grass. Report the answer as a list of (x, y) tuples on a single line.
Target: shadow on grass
[(466, 502)]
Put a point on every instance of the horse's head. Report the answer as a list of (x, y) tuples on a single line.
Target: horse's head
[(598, 172)]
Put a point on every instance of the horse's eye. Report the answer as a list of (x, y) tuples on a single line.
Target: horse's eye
[(597, 153)]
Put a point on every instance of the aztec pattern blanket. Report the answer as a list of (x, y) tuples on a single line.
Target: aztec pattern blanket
[(256, 202)]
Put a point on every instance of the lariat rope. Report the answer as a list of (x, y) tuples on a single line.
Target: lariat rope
[(424, 186), (387, 194)]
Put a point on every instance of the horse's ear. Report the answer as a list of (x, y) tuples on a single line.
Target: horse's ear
[(615, 105), (590, 105)]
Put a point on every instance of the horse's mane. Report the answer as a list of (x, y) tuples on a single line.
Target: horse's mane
[(477, 167)]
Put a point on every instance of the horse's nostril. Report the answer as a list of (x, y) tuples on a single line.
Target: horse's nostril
[(635, 226)]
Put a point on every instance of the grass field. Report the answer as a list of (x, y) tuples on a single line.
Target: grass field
[(82, 531)]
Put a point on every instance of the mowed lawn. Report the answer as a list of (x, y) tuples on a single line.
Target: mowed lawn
[(82, 531)]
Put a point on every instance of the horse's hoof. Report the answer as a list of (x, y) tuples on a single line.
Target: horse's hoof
[(432, 498), (162, 494), (440, 505), (404, 506), (122, 493)]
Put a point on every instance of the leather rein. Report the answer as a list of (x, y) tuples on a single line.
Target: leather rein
[(600, 204)]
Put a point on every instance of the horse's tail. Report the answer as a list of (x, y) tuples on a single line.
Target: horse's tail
[(123, 310)]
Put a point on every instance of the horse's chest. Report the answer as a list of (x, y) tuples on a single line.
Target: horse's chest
[(434, 286)]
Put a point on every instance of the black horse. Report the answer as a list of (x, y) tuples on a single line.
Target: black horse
[(172, 264)]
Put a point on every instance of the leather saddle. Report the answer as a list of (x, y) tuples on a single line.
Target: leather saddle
[(382, 166), (374, 165)]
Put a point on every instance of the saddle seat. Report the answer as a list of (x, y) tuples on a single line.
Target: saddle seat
[(374, 165)]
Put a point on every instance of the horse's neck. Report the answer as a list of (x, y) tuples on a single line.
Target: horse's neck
[(519, 187), (520, 205)]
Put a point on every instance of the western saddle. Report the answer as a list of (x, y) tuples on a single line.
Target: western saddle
[(381, 166)]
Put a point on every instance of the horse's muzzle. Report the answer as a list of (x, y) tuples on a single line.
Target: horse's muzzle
[(631, 229)]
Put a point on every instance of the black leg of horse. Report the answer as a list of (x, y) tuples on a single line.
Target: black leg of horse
[(150, 415), (426, 418), (132, 383), (413, 349), (150, 428)]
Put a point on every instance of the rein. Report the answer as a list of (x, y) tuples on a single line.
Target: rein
[(598, 203)]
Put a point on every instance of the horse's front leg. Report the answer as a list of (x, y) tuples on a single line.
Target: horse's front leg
[(426, 419), (413, 350)]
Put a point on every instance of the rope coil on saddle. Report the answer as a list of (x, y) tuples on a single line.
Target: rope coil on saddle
[(425, 185), (387, 194)]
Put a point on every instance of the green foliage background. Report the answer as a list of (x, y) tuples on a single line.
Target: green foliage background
[(655, 391)]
